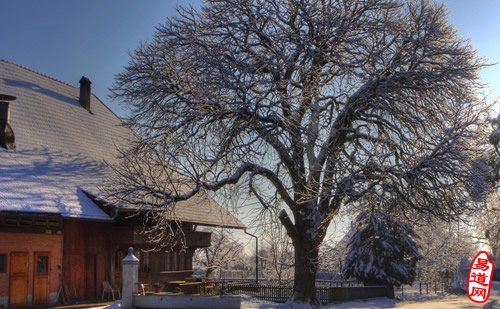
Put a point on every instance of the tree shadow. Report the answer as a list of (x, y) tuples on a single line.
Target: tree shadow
[(39, 180)]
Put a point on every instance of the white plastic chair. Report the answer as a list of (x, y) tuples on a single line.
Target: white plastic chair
[(107, 288)]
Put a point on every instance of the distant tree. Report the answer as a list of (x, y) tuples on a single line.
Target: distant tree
[(494, 138), (224, 252), (277, 256), (316, 103), (443, 247), (382, 250), (333, 254), (487, 220)]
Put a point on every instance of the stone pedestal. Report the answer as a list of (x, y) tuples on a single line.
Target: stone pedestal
[(130, 278)]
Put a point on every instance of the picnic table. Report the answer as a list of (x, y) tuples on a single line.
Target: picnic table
[(183, 286)]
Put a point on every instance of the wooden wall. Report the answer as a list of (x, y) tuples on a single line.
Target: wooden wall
[(122, 237), (93, 252), (86, 261), (31, 243)]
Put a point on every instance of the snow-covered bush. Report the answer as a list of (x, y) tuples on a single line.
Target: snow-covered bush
[(382, 250)]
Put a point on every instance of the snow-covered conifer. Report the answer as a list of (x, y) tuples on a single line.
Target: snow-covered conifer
[(382, 250)]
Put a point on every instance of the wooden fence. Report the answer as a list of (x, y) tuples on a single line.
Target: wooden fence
[(422, 288), (274, 293), (325, 283), (326, 293)]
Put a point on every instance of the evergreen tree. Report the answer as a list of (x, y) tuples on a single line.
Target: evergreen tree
[(382, 250)]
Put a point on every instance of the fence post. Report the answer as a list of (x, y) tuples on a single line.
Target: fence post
[(420, 287), (427, 288), (130, 276)]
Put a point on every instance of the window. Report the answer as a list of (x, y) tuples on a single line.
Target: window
[(42, 265), (3, 263)]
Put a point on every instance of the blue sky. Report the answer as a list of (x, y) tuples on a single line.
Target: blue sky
[(68, 39)]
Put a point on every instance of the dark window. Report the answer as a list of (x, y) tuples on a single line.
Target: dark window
[(3, 263), (42, 265)]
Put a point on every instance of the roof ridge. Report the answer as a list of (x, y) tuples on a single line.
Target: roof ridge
[(36, 72)]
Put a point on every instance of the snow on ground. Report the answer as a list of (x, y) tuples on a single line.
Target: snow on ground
[(449, 302), (419, 297), (382, 302), (446, 302), (410, 301)]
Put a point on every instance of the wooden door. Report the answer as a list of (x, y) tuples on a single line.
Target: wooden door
[(18, 279), (90, 277), (74, 276), (41, 277)]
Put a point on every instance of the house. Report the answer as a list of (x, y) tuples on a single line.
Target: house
[(55, 234)]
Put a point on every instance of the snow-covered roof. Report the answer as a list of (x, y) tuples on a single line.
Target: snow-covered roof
[(61, 150)]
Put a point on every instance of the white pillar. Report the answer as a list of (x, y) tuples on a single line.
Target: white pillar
[(130, 278)]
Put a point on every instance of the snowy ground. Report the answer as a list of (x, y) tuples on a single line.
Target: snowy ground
[(443, 301), (252, 303), (447, 302)]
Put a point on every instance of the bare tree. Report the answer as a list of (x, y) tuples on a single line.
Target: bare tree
[(277, 257), (443, 246), (487, 220), (332, 255), (317, 104), (222, 253), (494, 140)]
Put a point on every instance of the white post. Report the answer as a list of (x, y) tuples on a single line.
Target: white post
[(130, 277)]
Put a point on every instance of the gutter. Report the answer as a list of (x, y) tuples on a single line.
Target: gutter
[(256, 256)]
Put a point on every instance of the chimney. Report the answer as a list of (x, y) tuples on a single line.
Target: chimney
[(7, 139), (85, 92)]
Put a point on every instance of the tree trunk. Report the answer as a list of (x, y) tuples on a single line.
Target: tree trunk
[(306, 266)]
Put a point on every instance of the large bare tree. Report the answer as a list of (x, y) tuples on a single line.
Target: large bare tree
[(314, 104)]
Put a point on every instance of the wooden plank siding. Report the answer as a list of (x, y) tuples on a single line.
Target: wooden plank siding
[(29, 243), (93, 252), (86, 258)]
